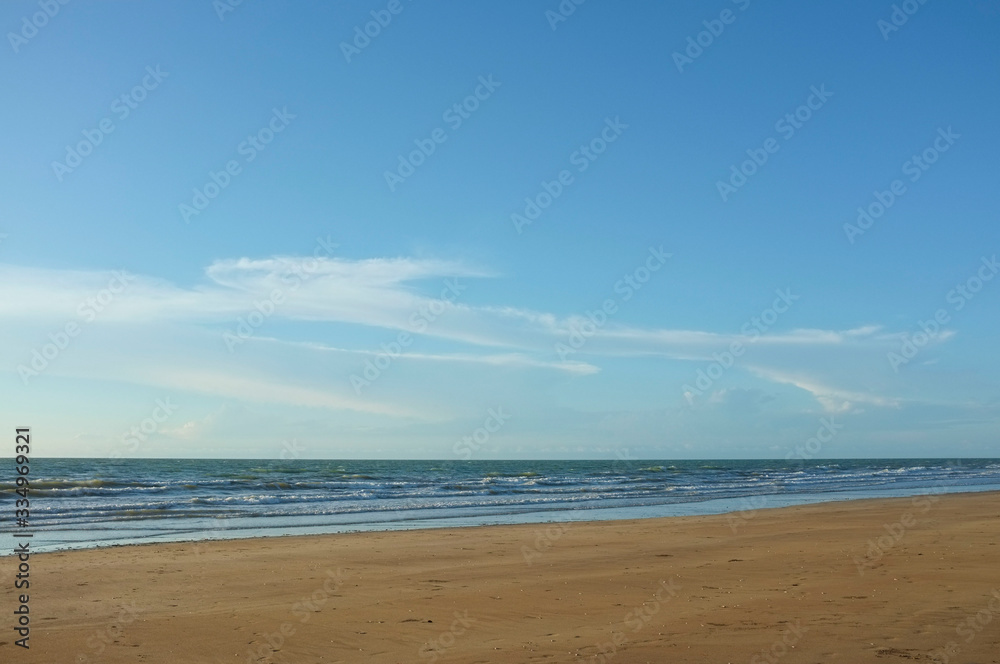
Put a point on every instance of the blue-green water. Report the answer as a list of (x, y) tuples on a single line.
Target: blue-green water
[(95, 502)]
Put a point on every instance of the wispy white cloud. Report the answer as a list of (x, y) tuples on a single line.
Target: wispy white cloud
[(504, 359), (833, 400), (389, 294)]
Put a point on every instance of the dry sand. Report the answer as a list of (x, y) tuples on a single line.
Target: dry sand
[(798, 584)]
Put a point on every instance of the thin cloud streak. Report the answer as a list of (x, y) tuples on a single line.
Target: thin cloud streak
[(385, 293)]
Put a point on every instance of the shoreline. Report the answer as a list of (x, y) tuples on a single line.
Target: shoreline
[(685, 589), (686, 509)]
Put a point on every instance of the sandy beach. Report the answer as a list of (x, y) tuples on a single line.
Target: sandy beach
[(863, 581)]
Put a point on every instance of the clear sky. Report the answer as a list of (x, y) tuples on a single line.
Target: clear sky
[(500, 229)]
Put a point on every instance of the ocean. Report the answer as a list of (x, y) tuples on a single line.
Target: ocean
[(82, 503)]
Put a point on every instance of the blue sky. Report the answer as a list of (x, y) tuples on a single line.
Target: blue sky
[(150, 311)]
